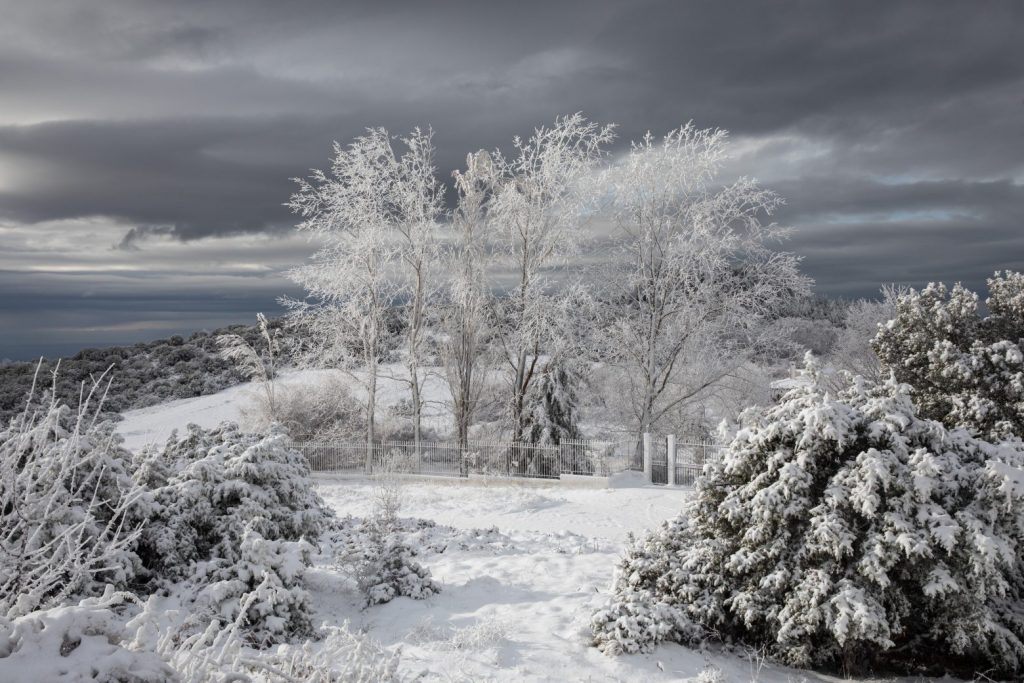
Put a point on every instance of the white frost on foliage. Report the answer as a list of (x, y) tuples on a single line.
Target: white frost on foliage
[(838, 525), (69, 507)]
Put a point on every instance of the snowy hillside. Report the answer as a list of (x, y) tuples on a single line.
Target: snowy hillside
[(153, 424)]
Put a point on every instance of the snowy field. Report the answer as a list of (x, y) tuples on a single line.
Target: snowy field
[(521, 569), (522, 566)]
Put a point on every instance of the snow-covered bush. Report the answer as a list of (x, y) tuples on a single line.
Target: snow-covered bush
[(267, 579), (66, 505), (92, 642), (839, 532), (234, 514), (967, 370), (324, 410), (76, 643), (375, 552), (211, 486)]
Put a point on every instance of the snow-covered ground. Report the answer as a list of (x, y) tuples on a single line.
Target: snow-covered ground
[(521, 568)]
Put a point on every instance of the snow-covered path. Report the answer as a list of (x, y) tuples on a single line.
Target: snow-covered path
[(520, 574)]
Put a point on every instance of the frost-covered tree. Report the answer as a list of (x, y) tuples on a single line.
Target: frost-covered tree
[(844, 532), (697, 273), (540, 210), (966, 369), (852, 353), (69, 507), (376, 214), (465, 317), (260, 366), (416, 197), (350, 288)]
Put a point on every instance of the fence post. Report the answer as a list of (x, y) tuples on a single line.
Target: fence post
[(671, 448), (648, 464)]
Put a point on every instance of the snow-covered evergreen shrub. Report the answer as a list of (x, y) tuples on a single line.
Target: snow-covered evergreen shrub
[(211, 486), (375, 552), (66, 505), (76, 643), (234, 513), (267, 580), (840, 532), (383, 565), (967, 370)]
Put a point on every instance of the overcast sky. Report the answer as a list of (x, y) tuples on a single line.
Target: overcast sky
[(146, 148)]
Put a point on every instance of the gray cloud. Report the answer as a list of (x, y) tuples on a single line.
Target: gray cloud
[(893, 129)]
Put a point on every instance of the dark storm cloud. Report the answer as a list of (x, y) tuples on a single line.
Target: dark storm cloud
[(894, 129)]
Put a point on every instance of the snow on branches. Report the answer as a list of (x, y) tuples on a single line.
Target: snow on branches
[(697, 274), (843, 532), (967, 370), (69, 508)]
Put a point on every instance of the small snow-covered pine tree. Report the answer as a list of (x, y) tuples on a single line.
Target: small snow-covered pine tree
[(553, 414), (843, 532)]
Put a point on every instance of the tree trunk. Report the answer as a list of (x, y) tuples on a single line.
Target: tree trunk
[(417, 411), (371, 409)]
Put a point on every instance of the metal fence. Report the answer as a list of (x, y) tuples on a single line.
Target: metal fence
[(512, 459), (507, 459), (691, 457), (659, 461)]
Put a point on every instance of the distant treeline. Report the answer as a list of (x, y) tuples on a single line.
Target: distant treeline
[(143, 374)]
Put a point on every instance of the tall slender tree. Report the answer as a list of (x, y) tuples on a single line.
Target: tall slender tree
[(540, 209), (417, 206), (466, 312), (351, 211), (697, 274)]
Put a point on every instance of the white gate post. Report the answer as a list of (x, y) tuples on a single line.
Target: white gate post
[(648, 465), (671, 459)]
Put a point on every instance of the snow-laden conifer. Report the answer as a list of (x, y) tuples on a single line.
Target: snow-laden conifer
[(212, 486), (967, 369), (234, 515), (839, 531)]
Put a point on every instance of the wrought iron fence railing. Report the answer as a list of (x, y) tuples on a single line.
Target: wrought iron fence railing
[(507, 459), (581, 457)]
